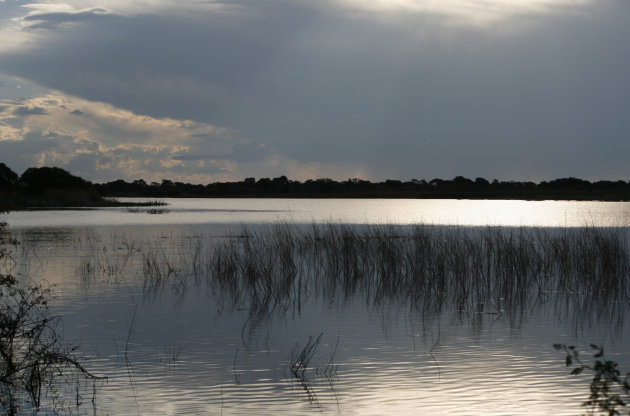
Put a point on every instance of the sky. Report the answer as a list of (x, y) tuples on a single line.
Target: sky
[(220, 90)]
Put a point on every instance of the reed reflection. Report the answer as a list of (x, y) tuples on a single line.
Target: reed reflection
[(477, 273)]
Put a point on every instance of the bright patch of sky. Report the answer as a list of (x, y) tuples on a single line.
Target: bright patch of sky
[(468, 11), (93, 137)]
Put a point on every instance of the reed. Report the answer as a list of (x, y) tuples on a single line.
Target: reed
[(301, 357), (300, 362), (96, 260), (134, 210), (160, 269), (469, 271)]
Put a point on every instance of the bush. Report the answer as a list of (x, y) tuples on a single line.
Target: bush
[(35, 363), (608, 387)]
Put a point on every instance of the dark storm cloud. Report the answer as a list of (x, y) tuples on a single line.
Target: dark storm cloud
[(407, 97), (181, 67)]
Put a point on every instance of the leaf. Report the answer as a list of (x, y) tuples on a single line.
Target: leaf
[(569, 360), (577, 370)]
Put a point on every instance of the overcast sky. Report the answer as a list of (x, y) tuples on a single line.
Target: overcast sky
[(206, 91)]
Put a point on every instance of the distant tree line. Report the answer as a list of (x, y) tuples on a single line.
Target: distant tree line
[(55, 187), (459, 187)]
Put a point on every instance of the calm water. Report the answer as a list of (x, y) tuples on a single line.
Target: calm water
[(197, 212), (182, 346)]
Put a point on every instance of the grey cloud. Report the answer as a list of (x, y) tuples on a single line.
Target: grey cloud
[(203, 136), (210, 169), (246, 151), (183, 169), (50, 135), (84, 165), (54, 19), (154, 165), (20, 155), (77, 112), (164, 66), (95, 162), (192, 157), (407, 100), (250, 152), (26, 111)]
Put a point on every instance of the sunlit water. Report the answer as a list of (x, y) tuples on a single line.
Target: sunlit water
[(184, 349), (351, 211)]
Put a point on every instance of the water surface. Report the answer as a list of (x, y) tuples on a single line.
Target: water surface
[(353, 211), (183, 345)]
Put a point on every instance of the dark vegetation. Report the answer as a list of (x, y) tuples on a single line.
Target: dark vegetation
[(459, 187), (300, 362), (36, 366), (48, 187), (55, 187), (608, 387)]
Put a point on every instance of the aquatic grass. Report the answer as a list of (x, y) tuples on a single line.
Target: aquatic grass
[(160, 269), (300, 362), (134, 210), (329, 368), (170, 355), (468, 271), (301, 357), (97, 260)]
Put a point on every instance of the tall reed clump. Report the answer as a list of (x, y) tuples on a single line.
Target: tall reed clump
[(489, 270), (257, 269)]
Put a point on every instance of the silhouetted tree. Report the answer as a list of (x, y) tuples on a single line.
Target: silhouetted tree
[(43, 187), (481, 182), (8, 178), (37, 180)]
